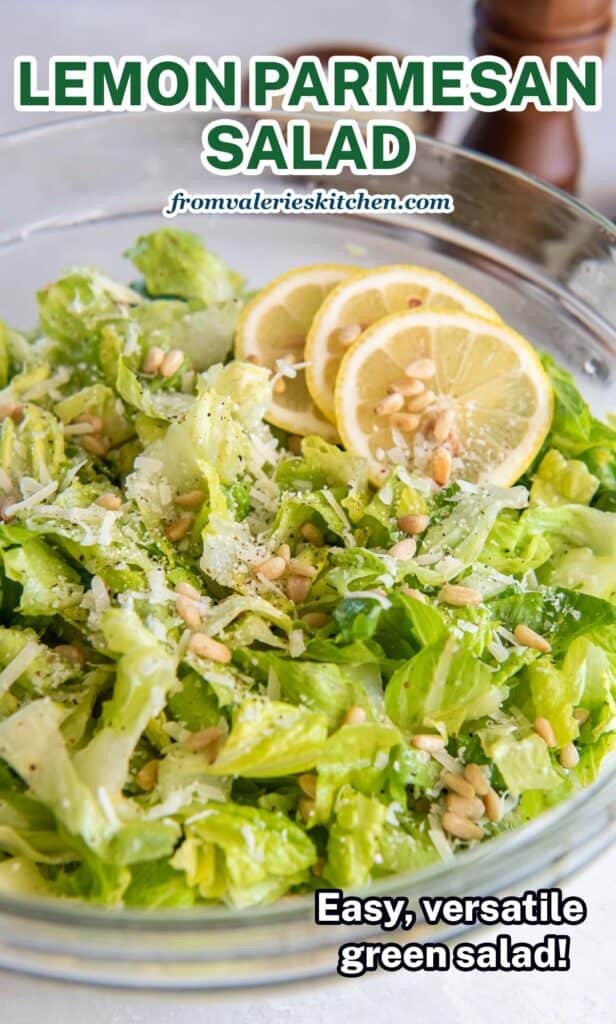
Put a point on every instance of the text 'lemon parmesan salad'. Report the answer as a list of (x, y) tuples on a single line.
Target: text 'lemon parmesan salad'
[(302, 588)]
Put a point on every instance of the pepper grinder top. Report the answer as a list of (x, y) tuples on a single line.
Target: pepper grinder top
[(543, 143)]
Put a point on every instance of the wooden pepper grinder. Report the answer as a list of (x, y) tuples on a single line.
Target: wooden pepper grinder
[(542, 143)]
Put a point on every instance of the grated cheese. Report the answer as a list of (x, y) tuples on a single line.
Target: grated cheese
[(11, 672)]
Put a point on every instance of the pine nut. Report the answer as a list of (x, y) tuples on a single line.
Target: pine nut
[(298, 567), (404, 549), (315, 619), (95, 445), (280, 386), (6, 411), (477, 779), (458, 784), (189, 499), (406, 421), (441, 466), (569, 756), (147, 777), (354, 716), (427, 423), (294, 444), (347, 335), (284, 551), (493, 805), (413, 524), (272, 568), (581, 715), (204, 738), (298, 588), (420, 402), (95, 422), (467, 807), (152, 359), (408, 388), (188, 611), (178, 529), (455, 443), (391, 403), (413, 303), (187, 590), (308, 784), (421, 369), (206, 647), (459, 827), (412, 592), (428, 742), (459, 596), (171, 362), (112, 502), (5, 504), (305, 807), (253, 359), (312, 534), (544, 729), (444, 422), (71, 652), (528, 638)]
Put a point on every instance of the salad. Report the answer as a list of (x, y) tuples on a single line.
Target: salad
[(304, 587)]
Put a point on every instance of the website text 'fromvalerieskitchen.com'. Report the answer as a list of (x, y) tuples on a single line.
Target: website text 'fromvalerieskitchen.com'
[(319, 200)]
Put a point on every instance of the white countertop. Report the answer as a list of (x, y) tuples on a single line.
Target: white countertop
[(151, 27)]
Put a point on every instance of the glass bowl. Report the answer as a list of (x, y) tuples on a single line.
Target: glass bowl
[(79, 192)]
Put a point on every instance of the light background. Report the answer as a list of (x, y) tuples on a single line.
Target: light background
[(152, 27)]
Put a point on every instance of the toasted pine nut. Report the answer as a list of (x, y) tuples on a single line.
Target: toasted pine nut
[(493, 805), (284, 551), (455, 443), (459, 596), (315, 619), (408, 388), (441, 466), (412, 592), (205, 646), (305, 807), (253, 359), (308, 784), (203, 739), (347, 335), (71, 652), (95, 445), (189, 499), (467, 807), (443, 425), (6, 411), (544, 729), (298, 588), (188, 611), (528, 638), (422, 369), (354, 716), (294, 444), (94, 421), (460, 827), (427, 423), (152, 359), (272, 568), (428, 742), (298, 567), (147, 777), (178, 529), (187, 590), (569, 756), (420, 402), (413, 524), (312, 534), (112, 502), (391, 403), (280, 386), (458, 784), (171, 362), (406, 421), (413, 303), (581, 715), (477, 779), (404, 549)]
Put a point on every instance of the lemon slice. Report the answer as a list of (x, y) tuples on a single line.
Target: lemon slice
[(357, 303), (447, 394), (272, 331)]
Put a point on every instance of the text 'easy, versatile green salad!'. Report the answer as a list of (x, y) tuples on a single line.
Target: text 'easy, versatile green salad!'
[(236, 664)]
